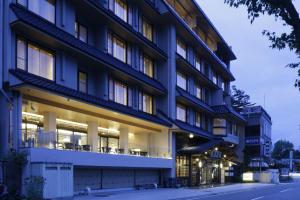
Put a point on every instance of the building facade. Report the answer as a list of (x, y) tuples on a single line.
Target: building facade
[(258, 135), (117, 93)]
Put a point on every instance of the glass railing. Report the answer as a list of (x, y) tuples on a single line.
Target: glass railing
[(51, 140)]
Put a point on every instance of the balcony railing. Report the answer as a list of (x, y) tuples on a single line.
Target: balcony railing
[(49, 140)]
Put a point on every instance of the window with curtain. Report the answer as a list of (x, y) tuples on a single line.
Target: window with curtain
[(181, 113), (181, 81), (121, 9), (44, 8), (198, 91), (118, 92), (147, 30), (119, 49), (198, 119), (82, 82), (147, 66), (35, 60), (181, 48), (198, 63), (219, 126), (145, 103), (81, 32)]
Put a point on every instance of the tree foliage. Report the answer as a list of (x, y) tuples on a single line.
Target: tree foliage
[(240, 99), (282, 149), (280, 9)]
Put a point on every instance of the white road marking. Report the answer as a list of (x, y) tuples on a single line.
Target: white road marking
[(258, 198), (286, 190)]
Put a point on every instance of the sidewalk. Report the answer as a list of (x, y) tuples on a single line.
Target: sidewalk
[(170, 194)]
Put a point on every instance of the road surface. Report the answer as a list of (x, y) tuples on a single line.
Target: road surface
[(284, 191)]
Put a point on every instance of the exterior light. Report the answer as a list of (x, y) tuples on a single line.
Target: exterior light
[(200, 164), (221, 165), (230, 164), (197, 159), (205, 153), (216, 149), (191, 136), (225, 156)]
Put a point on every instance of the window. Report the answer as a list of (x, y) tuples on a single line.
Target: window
[(118, 92), (214, 77), (147, 30), (120, 9), (82, 82), (181, 48), (119, 49), (147, 66), (234, 129), (198, 91), (198, 63), (44, 8), (181, 81), (198, 119), (145, 103), (35, 60), (219, 127), (81, 32), (181, 112)]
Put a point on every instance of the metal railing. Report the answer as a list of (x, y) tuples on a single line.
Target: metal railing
[(49, 140)]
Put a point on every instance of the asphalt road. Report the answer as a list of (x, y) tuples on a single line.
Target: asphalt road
[(285, 191)]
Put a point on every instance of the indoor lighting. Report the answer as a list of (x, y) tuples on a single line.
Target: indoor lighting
[(221, 165), (230, 164), (191, 135), (32, 115), (71, 123), (200, 164)]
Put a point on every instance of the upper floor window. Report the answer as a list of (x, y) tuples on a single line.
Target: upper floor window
[(219, 126), (181, 81), (145, 103), (198, 119), (214, 77), (44, 8), (198, 91), (147, 30), (81, 32), (120, 8), (181, 112), (181, 48), (119, 49), (82, 82), (147, 66), (35, 60), (198, 63), (118, 92)]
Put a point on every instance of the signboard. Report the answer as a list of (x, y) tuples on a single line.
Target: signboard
[(215, 154)]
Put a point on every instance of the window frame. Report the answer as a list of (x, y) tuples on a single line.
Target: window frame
[(141, 102), (178, 41), (127, 9), (178, 105), (144, 20), (78, 31), (26, 6), (113, 92), (39, 46), (115, 36), (200, 123), (183, 76), (143, 65), (78, 81)]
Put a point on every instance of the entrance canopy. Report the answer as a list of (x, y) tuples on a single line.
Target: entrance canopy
[(200, 148)]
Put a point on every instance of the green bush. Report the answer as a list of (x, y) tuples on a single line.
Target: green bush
[(34, 187)]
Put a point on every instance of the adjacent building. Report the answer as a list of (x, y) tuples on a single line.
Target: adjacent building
[(258, 138), (117, 93)]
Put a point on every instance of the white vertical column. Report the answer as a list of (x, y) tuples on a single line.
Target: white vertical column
[(93, 138), (49, 138), (124, 139), (50, 122)]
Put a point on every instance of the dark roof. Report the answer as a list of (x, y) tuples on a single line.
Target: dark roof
[(193, 129), (194, 100), (50, 29), (201, 148), (48, 85), (224, 109)]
